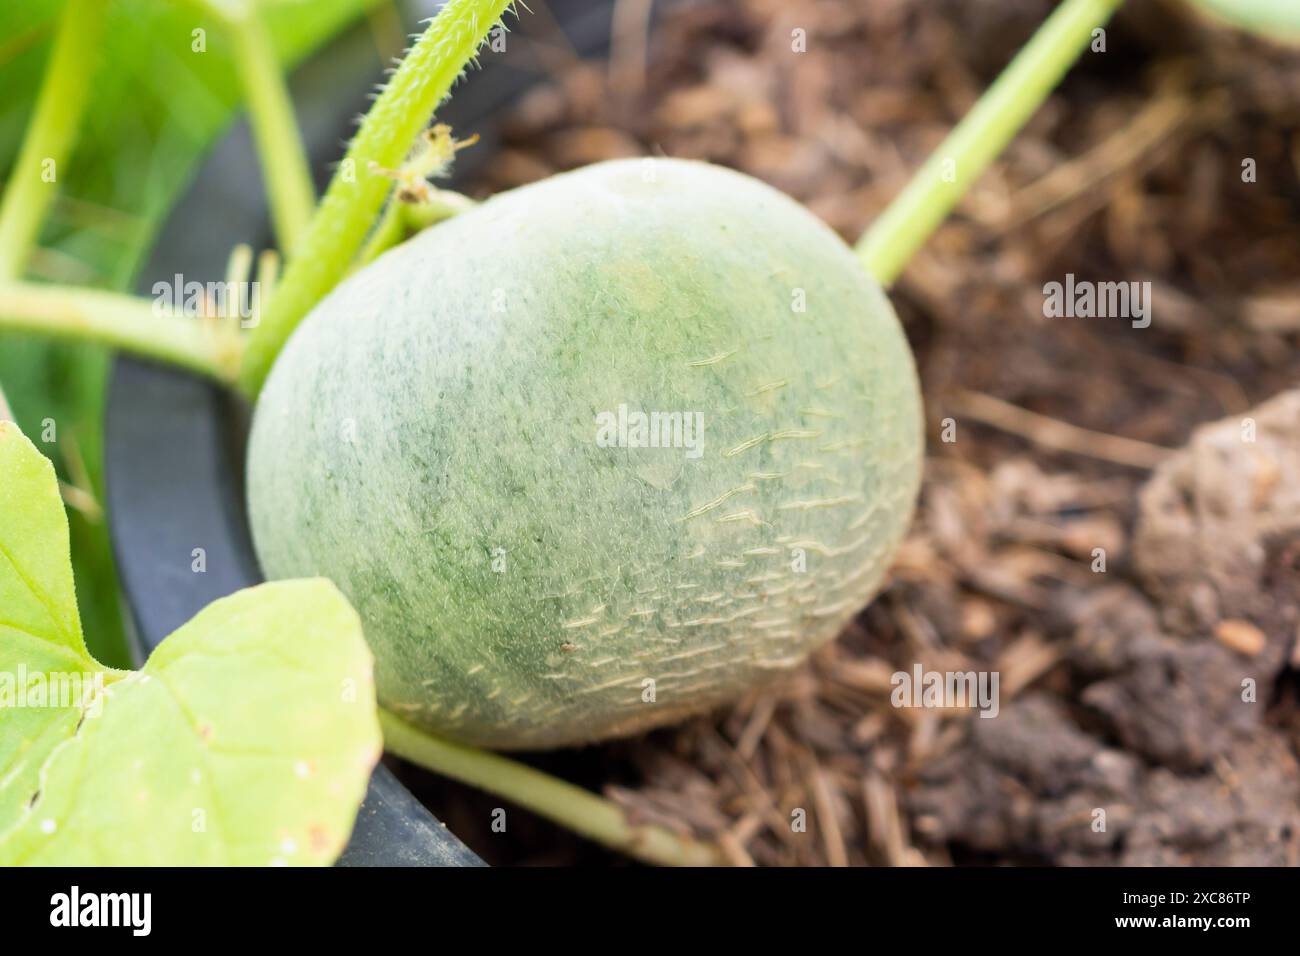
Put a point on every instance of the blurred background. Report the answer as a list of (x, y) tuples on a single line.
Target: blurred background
[(1048, 438)]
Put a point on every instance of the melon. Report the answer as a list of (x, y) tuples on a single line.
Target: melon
[(605, 451)]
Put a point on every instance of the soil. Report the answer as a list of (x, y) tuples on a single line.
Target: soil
[(1111, 515)]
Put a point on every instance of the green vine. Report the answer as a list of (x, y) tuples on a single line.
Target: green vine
[(357, 192), (280, 150), (905, 225), (51, 132), (210, 347), (563, 803)]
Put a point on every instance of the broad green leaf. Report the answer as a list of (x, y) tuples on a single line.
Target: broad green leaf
[(247, 738), (1274, 19)]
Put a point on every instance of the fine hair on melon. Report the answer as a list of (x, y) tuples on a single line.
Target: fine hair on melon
[(596, 454)]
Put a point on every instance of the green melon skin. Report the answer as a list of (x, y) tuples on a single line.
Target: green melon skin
[(428, 440)]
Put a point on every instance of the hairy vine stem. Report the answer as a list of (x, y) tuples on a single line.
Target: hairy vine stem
[(905, 225), (357, 192)]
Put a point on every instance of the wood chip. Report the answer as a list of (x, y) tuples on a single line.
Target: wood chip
[(1242, 636)]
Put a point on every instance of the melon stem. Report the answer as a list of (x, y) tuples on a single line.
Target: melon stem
[(571, 807), (403, 219), (936, 188)]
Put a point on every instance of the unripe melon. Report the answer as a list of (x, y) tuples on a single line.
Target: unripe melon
[(454, 437)]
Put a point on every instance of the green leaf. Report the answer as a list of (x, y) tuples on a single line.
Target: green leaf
[(40, 631), (247, 738), (1274, 19), (36, 592)]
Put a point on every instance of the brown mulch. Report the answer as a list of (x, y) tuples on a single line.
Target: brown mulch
[(1122, 689)]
